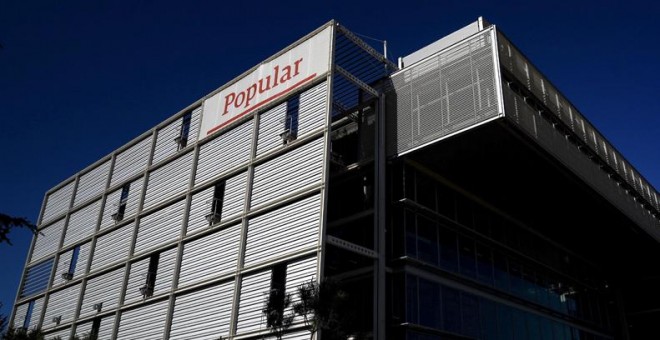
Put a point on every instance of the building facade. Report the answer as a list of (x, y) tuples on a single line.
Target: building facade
[(456, 195)]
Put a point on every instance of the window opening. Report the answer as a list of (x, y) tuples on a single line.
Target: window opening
[(216, 203), (291, 120), (72, 265), (96, 326), (123, 199), (148, 289), (278, 289), (28, 314), (182, 139)]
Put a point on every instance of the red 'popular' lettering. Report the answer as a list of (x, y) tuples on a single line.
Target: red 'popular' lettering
[(279, 75)]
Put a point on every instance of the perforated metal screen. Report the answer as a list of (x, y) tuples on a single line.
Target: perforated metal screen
[(450, 91)]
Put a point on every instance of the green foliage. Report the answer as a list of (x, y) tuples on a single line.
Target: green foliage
[(278, 319), (23, 334), (324, 306), (7, 223)]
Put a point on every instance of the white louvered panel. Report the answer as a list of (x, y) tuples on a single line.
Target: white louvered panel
[(82, 223), (232, 203), (105, 329), (166, 146), (62, 267), (287, 173), (160, 227), (297, 274), (224, 153), (168, 180), (200, 206), (112, 203), (203, 314), (138, 276), (48, 240), (195, 120), (144, 323), (59, 334), (283, 231), (211, 256), (92, 183), (136, 279), (112, 247), (57, 203), (36, 312), (271, 125), (254, 292), (131, 161), (312, 115), (61, 303), (19, 315), (300, 335), (104, 289)]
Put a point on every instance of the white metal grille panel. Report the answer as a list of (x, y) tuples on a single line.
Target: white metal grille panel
[(195, 121), (48, 240), (446, 93), (288, 173), (65, 261), (232, 204), (131, 161), (138, 276), (144, 323), (284, 231), (61, 303), (112, 203), (212, 256), (112, 247), (59, 334), (254, 291), (104, 289), (297, 274), (169, 180), (57, 203), (21, 313), (203, 314), (224, 153), (312, 111), (92, 183), (82, 223), (105, 329), (160, 227), (271, 125), (166, 145)]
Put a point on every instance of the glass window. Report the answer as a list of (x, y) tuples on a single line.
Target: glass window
[(448, 250), (184, 133), (427, 242), (446, 202), (504, 325), (28, 315), (291, 120), (470, 315), (430, 305), (411, 234), (501, 273), (412, 299), (451, 310), (519, 325), (484, 264), (488, 317), (216, 204), (467, 257), (426, 192)]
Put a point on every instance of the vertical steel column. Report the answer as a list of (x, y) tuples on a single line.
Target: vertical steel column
[(380, 222)]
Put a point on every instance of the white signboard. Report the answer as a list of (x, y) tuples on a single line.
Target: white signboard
[(291, 70)]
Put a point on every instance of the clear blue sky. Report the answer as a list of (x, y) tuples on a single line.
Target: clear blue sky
[(80, 78)]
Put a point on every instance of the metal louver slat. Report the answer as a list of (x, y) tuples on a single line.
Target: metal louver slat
[(160, 227), (224, 153), (82, 223), (62, 304), (57, 203), (132, 161), (254, 291), (112, 203), (209, 257), (169, 180), (145, 323), (112, 247), (166, 145), (103, 290), (47, 241), (36, 278)]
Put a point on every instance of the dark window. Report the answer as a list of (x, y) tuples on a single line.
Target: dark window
[(488, 316), (412, 313), (182, 140), (148, 289), (277, 290), (470, 315), (467, 257), (74, 260), (448, 250), (429, 304), (123, 199), (96, 326), (411, 234), (216, 204), (427, 241), (451, 310), (291, 120), (28, 314), (484, 265)]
